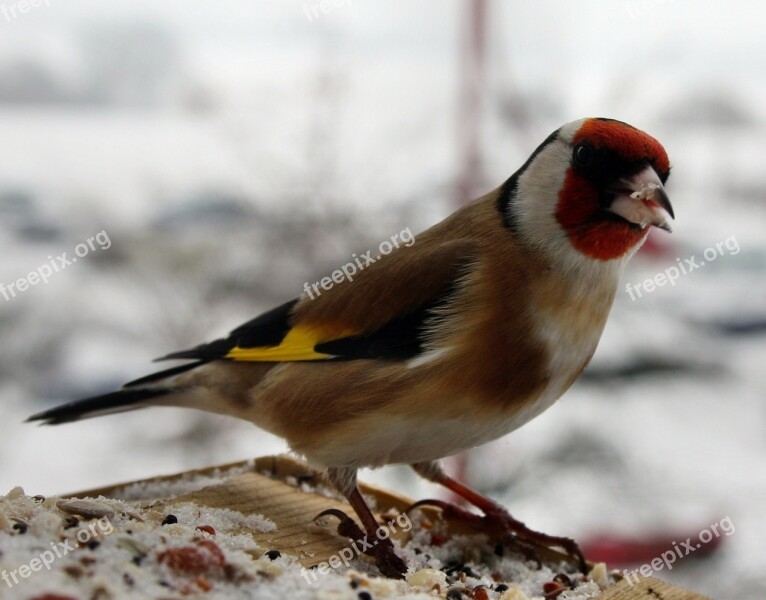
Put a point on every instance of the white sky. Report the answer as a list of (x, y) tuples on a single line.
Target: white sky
[(714, 36)]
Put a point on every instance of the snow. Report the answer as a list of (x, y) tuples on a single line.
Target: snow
[(178, 486)]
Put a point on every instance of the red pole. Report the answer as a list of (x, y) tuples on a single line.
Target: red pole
[(471, 87), (471, 81)]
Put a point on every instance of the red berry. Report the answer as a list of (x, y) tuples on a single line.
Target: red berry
[(204, 558)]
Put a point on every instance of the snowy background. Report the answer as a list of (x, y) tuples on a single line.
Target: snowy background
[(232, 151)]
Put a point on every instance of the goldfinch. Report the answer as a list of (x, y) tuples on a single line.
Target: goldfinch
[(458, 339)]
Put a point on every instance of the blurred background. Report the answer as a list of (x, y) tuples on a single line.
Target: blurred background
[(229, 152)]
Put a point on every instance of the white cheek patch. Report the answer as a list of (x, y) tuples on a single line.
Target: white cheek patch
[(535, 208)]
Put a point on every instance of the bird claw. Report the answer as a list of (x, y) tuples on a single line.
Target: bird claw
[(500, 525), (382, 550), (450, 512), (347, 527), (387, 561)]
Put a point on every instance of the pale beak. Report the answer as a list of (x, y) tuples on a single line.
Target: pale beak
[(642, 200)]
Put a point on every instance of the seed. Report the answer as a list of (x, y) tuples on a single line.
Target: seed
[(85, 508), (203, 583), (552, 589), (21, 527), (170, 520), (206, 529), (74, 571), (479, 593)]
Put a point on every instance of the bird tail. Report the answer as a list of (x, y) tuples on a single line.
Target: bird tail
[(134, 395)]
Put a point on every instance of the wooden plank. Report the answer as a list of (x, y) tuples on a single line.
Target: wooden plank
[(648, 588)]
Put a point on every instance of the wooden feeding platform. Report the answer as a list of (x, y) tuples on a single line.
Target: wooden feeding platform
[(248, 530), (263, 489)]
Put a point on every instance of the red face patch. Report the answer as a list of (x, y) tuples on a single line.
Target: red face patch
[(579, 213), (578, 210)]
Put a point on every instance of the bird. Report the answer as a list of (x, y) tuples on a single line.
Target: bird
[(445, 344)]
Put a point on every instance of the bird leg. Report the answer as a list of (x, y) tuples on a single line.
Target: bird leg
[(370, 543), (496, 519)]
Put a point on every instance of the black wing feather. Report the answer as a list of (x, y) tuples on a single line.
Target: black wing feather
[(400, 339), (268, 329)]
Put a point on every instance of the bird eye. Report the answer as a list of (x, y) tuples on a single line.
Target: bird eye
[(583, 154)]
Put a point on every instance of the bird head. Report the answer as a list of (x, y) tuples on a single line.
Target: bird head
[(590, 192)]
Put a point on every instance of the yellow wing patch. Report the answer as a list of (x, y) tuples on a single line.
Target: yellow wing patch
[(298, 344)]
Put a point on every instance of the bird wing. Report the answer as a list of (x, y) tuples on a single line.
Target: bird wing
[(382, 313)]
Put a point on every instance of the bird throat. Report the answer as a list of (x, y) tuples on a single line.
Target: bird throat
[(593, 231)]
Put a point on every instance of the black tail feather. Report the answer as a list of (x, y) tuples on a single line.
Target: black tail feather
[(120, 401), (165, 374), (204, 352)]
